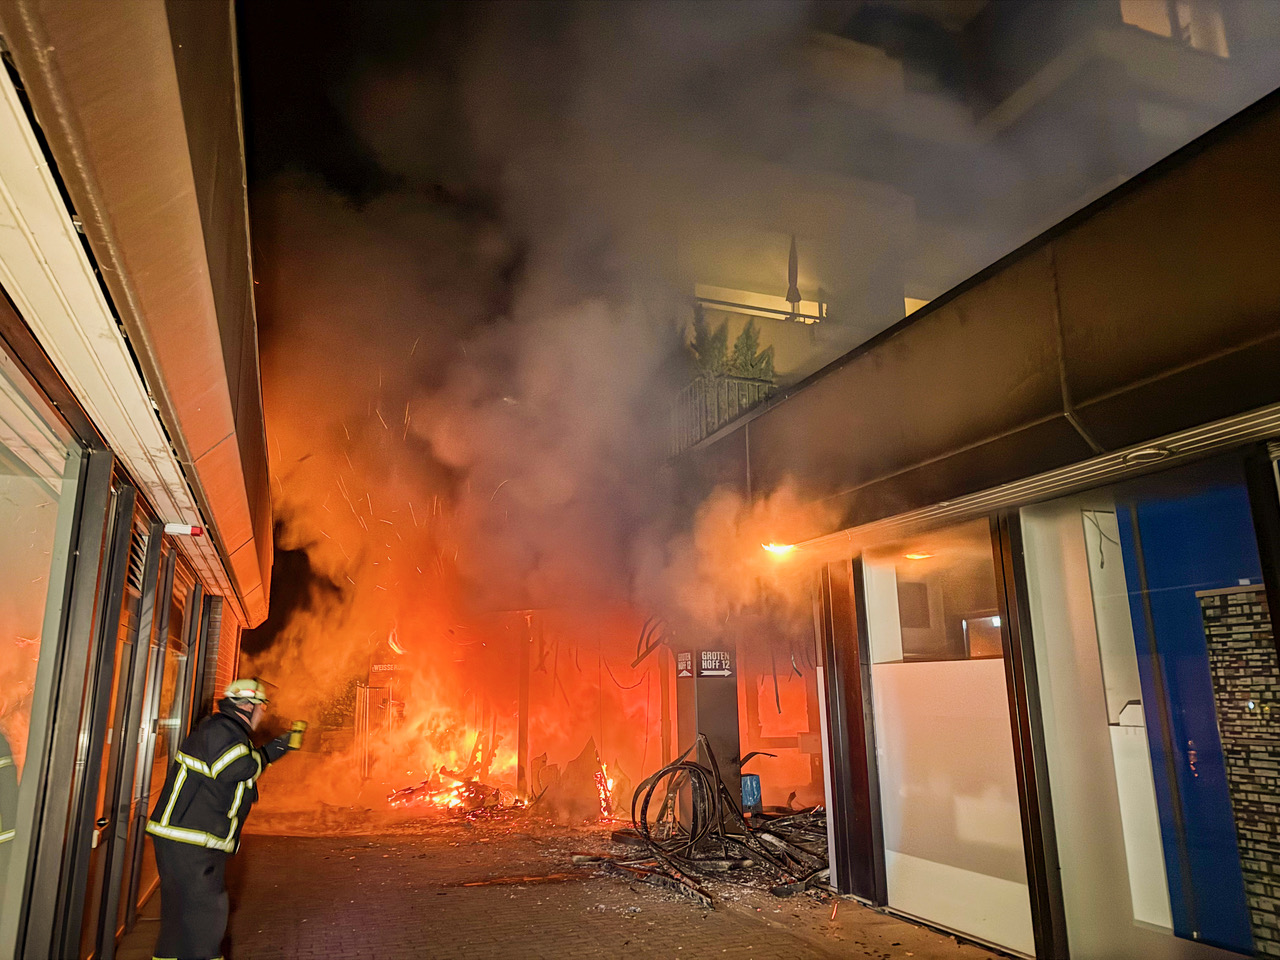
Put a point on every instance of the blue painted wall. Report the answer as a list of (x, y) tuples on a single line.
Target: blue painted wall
[(1199, 537)]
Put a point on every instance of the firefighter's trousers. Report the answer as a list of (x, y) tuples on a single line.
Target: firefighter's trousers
[(193, 901)]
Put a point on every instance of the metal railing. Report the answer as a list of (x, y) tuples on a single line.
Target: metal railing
[(370, 719), (709, 402)]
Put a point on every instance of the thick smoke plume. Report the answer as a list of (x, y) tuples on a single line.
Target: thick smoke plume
[(467, 378), (469, 357)]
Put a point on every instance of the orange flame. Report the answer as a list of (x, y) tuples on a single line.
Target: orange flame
[(604, 784)]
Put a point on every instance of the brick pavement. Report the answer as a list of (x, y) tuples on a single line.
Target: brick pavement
[(432, 894)]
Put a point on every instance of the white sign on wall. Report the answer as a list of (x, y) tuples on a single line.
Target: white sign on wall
[(715, 663), (684, 664)]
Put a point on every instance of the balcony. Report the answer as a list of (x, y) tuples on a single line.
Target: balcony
[(710, 402)]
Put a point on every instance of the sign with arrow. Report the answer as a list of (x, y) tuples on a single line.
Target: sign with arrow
[(715, 663), (684, 664)]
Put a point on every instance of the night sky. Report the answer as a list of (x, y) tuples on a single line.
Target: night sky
[(299, 60)]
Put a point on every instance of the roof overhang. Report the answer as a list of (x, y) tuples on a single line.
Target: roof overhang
[(1153, 312), (102, 80)]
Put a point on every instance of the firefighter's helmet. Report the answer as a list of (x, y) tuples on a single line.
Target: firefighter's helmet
[(250, 689)]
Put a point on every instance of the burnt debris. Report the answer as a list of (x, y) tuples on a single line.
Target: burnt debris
[(697, 830)]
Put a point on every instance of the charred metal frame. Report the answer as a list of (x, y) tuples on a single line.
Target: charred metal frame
[(1039, 838), (362, 728), (525, 640), (858, 854)]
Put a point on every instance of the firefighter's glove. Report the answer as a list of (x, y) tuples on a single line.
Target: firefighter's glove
[(277, 748)]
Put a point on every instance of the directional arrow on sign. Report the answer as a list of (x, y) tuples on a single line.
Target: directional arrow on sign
[(717, 673)]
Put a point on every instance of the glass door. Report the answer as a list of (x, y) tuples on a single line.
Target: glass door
[(137, 883), (98, 688), (41, 492), (1158, 680), (167, 707), (115, 815), (944, 744), (188, 694), (126, 583)]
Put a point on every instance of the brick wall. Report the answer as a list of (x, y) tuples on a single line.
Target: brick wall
[(1246, 684)]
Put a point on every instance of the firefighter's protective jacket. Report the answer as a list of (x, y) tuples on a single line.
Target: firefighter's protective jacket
[(212, 784)]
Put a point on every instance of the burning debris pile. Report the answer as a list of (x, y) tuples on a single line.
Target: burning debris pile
[(466, 797), (718, 841), (585, 791), (463, 792)]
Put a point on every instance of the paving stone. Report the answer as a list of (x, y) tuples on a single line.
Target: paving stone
[(479, 894)]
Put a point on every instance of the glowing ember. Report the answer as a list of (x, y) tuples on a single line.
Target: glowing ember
[(779, 549), (461, 797)]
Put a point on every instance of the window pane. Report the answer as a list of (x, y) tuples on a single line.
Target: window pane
[(172, 702), (38, 465), (172, 692), (1149, 15), (944, 746), (1152, 637), (118, 746)]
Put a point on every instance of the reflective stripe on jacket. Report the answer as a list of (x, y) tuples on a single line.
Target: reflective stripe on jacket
[(211, 786)]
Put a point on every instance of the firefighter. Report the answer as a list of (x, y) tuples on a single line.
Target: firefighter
[(211, 786)]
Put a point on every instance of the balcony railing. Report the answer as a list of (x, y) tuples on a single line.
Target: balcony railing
[(709, 402)]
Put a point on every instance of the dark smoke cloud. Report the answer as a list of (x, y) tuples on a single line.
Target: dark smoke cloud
[(297, 588), (477, 228), (468, 359)]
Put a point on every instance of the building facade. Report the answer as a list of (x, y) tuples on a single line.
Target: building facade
[(1049, 663), (133, 467), (923, 141)]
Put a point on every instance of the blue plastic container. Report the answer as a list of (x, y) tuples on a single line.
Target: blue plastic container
[(751, 793)]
